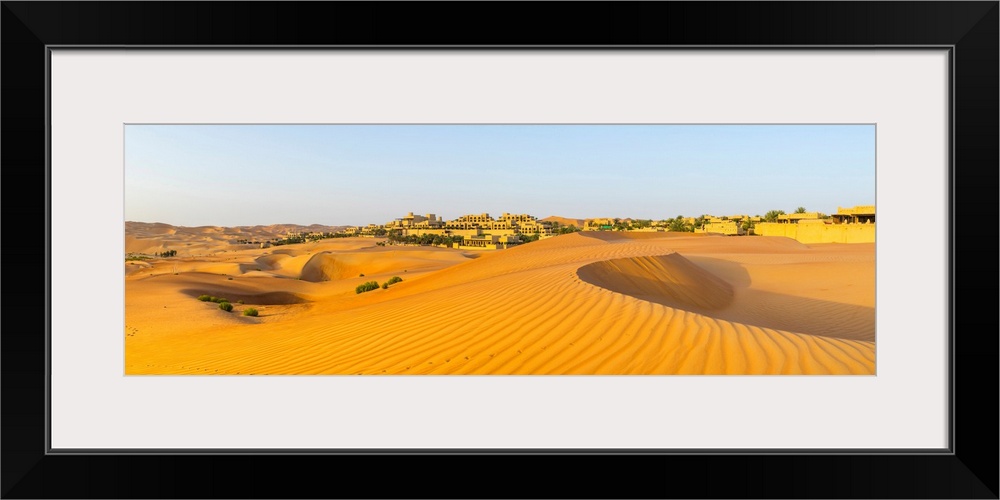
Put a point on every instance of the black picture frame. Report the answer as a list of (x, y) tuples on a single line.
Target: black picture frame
[(970, 29)]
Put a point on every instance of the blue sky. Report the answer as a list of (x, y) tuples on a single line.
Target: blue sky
[(230, 175)]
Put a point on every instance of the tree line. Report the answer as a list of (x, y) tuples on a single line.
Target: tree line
[(396, 238)]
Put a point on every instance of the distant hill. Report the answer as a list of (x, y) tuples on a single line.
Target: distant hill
[(271, 230), (565, 221)]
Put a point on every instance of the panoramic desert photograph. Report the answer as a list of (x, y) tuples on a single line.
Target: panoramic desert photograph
[(499, 250)]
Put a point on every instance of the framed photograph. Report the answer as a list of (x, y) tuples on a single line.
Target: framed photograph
[(654, 256), (376, 289)]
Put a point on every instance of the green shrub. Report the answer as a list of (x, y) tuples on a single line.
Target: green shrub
[(366, 287), (205, 298), (239, 301), (250, 312), (385, 285), (225, 306), (394, 279)]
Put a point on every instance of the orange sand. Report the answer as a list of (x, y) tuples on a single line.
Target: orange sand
[(583, 303)]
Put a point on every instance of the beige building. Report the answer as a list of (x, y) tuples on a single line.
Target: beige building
[(490, 242), (469, 221), (598, 224), (860, 214), (795, 218), (744, 218), (410, 221), (369, 230), (478, 230), (848, 225), (507, 224), (526, 224), (443, 232), (727, 227)]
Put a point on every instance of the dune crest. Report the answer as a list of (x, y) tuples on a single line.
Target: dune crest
[(325, 267)]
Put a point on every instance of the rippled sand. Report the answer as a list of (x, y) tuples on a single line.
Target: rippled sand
[(583, 303)]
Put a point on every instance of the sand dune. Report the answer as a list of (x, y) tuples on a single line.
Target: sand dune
[(670, 278), (565, 221), (328, 266), (583, 303)]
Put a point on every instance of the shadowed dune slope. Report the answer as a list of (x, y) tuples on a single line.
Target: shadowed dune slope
[(668, 276), (327, 266), (233, 294)]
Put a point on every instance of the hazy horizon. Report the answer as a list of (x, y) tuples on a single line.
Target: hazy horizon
[(337, 175)]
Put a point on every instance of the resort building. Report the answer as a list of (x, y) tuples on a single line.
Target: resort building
[(744, 218), (507, 224), (469, 221), (477, 230), (729, 226), (794, 218), (526, 224), (598, 224), (481, 231), (410, 221), (860, 214), (490, 242), (718, 225), (848, 225), (370, 230)]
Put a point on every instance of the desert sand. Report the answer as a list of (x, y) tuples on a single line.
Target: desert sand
[(597, 303)]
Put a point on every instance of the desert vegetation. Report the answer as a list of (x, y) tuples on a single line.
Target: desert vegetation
[(211, 298)]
